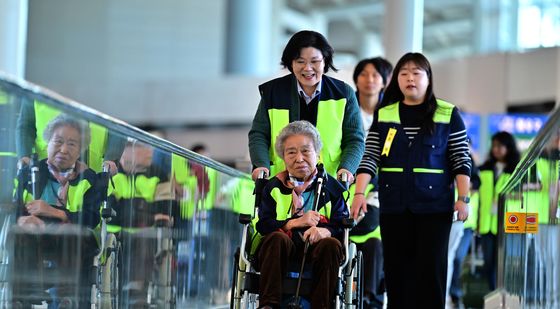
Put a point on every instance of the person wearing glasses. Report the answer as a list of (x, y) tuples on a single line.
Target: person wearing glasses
[(308, 94)]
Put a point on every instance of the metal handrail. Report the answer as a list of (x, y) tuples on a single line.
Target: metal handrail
[(22, 87), (534, 150), (550, 128)]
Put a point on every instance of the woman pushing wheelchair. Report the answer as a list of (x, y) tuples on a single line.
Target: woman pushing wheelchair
[(287, 219)]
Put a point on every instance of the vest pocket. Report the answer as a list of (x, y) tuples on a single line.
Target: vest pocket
[(433, 145), (430, 187), (390, 189)]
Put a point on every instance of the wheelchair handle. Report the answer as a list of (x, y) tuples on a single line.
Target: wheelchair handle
[(344, 181)]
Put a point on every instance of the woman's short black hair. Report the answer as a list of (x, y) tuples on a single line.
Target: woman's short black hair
[(303, 39), (382, 66)]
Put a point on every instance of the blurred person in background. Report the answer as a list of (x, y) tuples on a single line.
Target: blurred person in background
[(308, 94), (494, 174), (371, 77), (142, 197)]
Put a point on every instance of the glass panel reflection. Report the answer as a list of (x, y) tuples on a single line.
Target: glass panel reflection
[(531, 270), (96, 215)]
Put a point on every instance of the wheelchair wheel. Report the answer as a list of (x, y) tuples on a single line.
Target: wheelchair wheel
[(359, 281), (109, 285), (234, 279)]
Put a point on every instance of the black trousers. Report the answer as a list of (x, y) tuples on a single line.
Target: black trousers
[(374, 287), (415, 256)]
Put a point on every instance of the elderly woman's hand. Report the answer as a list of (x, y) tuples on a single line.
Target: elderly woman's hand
[(310, 218), (41, 208), (30, 222), (314, 234)]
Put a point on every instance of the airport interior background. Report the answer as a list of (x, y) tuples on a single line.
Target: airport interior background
[(161, 77)]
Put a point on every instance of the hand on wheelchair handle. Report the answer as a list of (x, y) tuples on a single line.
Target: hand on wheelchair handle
[(345, 176), (359, 207), (314, 234), (260, 173), (309, 219)]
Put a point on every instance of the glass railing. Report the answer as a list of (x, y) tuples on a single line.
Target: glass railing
[(528, 268), (96, 213)]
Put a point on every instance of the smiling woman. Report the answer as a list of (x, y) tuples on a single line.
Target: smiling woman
[(287, 218), (308, 94)]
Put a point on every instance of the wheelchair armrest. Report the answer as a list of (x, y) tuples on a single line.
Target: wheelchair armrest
[(348, 223), (245, 218)]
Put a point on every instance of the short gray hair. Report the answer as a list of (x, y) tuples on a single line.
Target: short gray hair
[(300, 127), (64, 120)]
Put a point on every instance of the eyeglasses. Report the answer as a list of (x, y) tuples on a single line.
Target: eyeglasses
[(303, 63)]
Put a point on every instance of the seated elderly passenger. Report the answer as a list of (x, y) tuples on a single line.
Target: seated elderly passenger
[(66, 186), (65, 192), (287, 219)]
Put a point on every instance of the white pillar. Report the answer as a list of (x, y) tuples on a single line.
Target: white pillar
[(370, 46), (403, 27), (13, 36), (249, 36)]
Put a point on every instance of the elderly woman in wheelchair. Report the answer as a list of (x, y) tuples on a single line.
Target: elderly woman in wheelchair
[(287, 219), (58, 206)]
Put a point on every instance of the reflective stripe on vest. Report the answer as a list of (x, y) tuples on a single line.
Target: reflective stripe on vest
[(472, 219), (75, 195), (284, 205), (488, 221), (181, 172), (390, 113), (43, 114), (330, 116), (360, 239), (144, 187)]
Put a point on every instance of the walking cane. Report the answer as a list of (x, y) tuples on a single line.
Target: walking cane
[(34, 168), (295, 304)]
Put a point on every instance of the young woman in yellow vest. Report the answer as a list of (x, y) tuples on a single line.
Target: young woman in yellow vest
[(371, 76), (66, 193), (494, 174), (308, 94), (287, 219), (417, 145)]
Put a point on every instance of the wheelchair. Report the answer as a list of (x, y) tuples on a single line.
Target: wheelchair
[(245, 278), (41, 274), (105, 289)]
